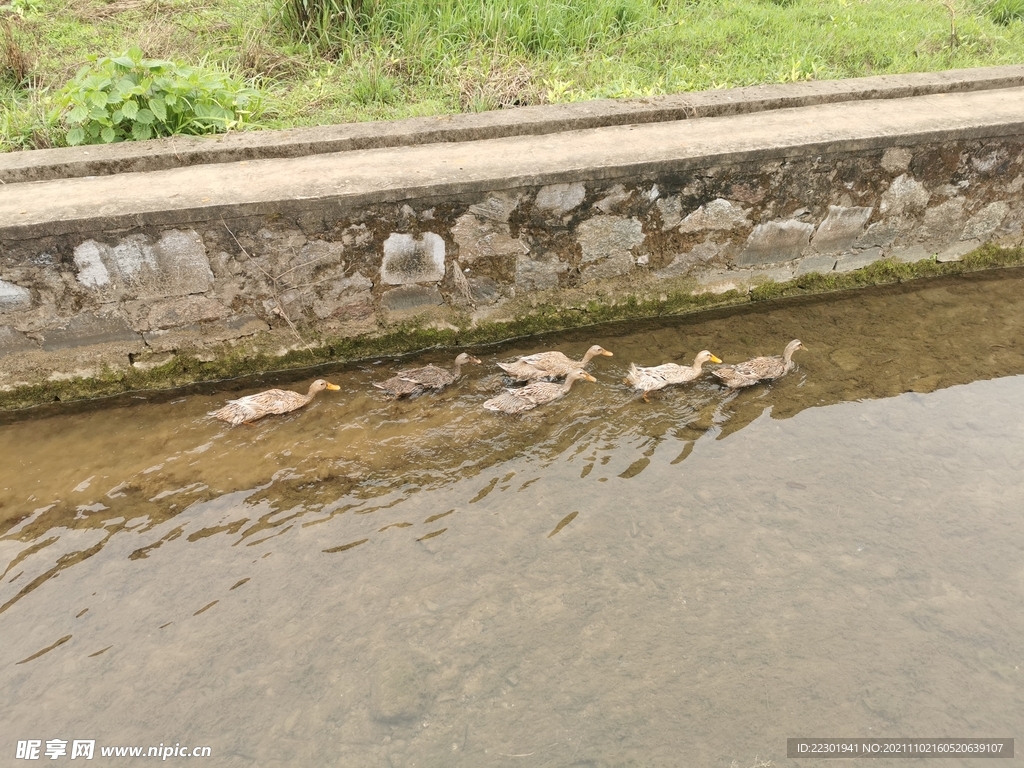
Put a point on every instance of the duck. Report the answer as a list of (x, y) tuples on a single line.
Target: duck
[(759, 369), (536, 393), (549, 365), (416, 380), (251, 408), (647, 380)]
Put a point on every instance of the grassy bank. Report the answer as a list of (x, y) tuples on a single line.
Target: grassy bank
[(382, 59)]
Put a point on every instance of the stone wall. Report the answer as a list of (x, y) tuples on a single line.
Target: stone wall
[(99, 304)]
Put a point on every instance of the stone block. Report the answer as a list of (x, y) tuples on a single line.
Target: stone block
[(616, 196), (983, 224), (186, 310), (606, 242), (851, 261), (684, 263), (349, 298), (904, 196), (880, 234), (539, 273), (723, 281), (560, 198), (484, 290), (411, 297), (781, 274), (944, 222), (817, 262), (910, 254), (485, 240), (897, 159), (774, 242), (957, 251), (201, 334), (88, 329), (175, 265), (409, 260), (14, 297), (497, 207), (12, 341), (840, 229), (715, 215), (671, 210)]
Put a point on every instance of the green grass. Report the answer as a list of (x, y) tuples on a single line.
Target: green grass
[(383, 59)]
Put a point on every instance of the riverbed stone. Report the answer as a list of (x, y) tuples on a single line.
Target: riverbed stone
[(716, 215), (409, 259), (398, 689), (14, 297), (606, 242), (985, 222), (12, 341), (905, 195), (409, 298), (539, 272), (560, 198), (776, 241), (89, 328), (840, 229), (175, 265), (485, 240)]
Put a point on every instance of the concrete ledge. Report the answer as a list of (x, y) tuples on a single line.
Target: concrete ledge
[(182, 274), (356, 179), (162, 154)]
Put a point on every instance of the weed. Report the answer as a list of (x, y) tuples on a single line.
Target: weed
[(1004, 11), (15, 63), (130, 97)]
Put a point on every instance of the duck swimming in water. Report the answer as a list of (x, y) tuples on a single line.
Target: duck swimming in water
[(660, 376), (549, 365), (749, 373), (416, 380), (538, 393), (273, 401)]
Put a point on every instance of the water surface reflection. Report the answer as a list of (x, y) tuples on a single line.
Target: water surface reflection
[(420, 582)]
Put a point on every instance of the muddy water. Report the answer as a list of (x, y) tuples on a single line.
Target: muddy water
[(602, 582)]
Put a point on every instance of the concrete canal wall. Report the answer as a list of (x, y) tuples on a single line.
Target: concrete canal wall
[(167, 262)]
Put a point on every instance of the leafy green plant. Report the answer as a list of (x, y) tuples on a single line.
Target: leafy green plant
[(129, 97)]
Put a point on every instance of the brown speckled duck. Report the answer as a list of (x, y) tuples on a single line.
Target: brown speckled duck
[(273, 401), (416, 380), (549, 365), (534, 394), (749, 373)]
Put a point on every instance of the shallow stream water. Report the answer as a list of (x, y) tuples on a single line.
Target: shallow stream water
[(600, 582)]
